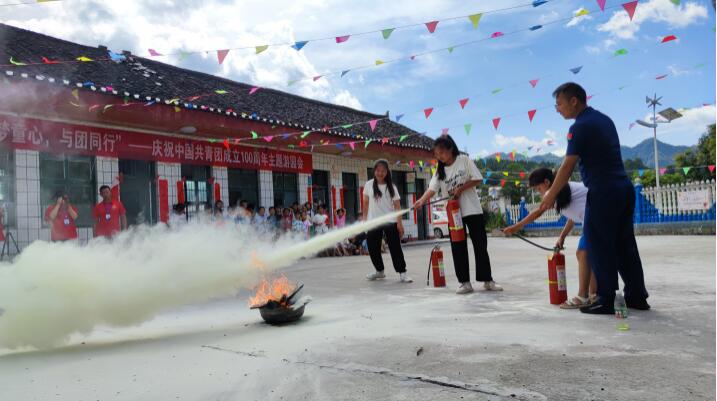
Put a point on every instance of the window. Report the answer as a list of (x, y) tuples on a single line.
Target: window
[(73, 174), (285, 189), (243, 185), (7, 186), (196, 188)]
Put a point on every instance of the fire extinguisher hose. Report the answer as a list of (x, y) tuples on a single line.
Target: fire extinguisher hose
[(555, 249), (430, 259)]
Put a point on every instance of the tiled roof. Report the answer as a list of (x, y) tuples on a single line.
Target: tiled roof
[(145, 79)]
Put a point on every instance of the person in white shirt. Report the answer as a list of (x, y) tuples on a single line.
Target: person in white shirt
[(570, 203), (382, 198), (457, 176), (320, 221)]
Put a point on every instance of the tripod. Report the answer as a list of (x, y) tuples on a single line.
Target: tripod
[(6, 245)]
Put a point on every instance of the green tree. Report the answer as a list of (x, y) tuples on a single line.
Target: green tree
[(702, 155)]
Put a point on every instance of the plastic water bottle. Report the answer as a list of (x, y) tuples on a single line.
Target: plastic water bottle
[(620, 305)]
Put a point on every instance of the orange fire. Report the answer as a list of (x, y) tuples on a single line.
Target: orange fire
[(272, 291)]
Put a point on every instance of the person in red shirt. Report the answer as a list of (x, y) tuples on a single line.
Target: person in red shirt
[(61, 217), (110, 215)]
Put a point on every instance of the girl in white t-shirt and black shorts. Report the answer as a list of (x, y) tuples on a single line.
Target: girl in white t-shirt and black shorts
[(382, 198), (457, 176)]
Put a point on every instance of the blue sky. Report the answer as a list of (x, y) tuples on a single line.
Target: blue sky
[(437, 80)]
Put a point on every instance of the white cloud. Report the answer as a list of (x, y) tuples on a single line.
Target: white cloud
[(578, 19), (522, 142), (345, 98), (693, 122), (676, 16), (593, 49)]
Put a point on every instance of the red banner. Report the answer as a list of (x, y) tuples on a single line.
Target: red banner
[(54, 137)]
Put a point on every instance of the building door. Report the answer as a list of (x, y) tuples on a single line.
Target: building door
[(320, 185), (197, 190), (421, 214), (350, 184), (138, 192)]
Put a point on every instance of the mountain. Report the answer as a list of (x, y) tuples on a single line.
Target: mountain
[(645, 151)]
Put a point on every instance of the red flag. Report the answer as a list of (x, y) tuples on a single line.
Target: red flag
[(630, 8), (502, 183), (496, 121), (531, 114), (342, 39), (663, 76), (711, 167), (522, 174), (496, 34), (221, 54), (431, 26), (668, 38), (533, 82), (47, 61), (384, 140), (601, 3), (463, 102), (226, 143), (428, 111)]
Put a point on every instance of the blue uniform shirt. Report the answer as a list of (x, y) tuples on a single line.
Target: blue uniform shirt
[(593, 137)]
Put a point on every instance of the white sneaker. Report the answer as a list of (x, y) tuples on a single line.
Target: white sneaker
[(465, 288), (492, 286), (404, 278), (375, 276)]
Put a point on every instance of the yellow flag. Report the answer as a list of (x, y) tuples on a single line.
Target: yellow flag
[(260, 49), (582, 12), (83, 58)]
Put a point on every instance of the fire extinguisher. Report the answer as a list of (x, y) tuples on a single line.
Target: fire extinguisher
[(455, 222), (556, 278), (435, 265)]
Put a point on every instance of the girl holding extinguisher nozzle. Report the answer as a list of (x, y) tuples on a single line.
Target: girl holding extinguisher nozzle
[(457, 176), (570, 203)]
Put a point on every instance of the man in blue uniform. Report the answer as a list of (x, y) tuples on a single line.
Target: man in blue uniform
[(607, 227)]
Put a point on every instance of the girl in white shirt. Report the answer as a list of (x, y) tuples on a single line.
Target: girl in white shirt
[(382, 198), (570, 203), (458, 176)]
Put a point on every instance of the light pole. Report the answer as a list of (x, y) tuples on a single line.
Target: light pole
[(669, 114)]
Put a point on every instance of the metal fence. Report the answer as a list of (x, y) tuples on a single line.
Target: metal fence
[(691, 201)]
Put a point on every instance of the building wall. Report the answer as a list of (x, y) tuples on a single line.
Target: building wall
[(30, 227)]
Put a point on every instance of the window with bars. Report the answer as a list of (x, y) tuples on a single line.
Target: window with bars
[(75, 175), (286, 189)]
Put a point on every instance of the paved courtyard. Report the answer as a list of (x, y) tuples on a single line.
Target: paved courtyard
[(389, 341)]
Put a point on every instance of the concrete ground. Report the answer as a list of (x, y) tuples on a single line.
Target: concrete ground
[(389, 341)]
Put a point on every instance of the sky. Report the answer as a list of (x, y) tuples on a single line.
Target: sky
[(618, 84)]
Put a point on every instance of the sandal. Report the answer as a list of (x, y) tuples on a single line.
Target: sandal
[(575, 303)]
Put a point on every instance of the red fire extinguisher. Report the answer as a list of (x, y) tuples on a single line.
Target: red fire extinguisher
[(436, 266), (455, 222), (556, 278)]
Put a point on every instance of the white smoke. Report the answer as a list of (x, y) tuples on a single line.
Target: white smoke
[(54, 290)]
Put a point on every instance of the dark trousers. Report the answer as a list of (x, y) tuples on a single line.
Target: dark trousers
[(373, 240), (610, 240), (475, 224)]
